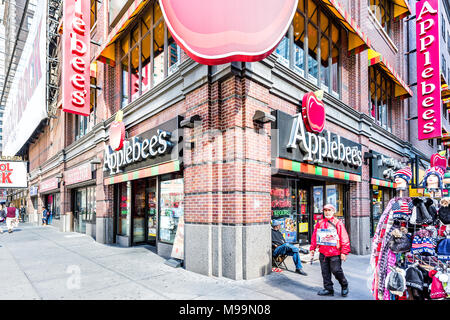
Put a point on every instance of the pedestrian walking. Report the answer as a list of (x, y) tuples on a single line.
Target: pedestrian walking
[(50, 216), (331, 238), (45, 215), (2, 217), (11, 217), (22, 213)]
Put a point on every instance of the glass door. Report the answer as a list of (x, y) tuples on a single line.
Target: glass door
[(152, 209), (303, 214), (138, 210)]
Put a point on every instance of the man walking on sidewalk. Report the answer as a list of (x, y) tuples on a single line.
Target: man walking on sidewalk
[(334, 246)]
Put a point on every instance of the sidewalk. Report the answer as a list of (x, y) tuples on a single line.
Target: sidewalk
[(43, 263)]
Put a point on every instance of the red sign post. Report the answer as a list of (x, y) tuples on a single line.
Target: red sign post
[(76, 57), (428, 70)]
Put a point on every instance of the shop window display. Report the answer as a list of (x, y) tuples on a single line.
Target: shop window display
[(171, 208), (122, 221), (283, 208)]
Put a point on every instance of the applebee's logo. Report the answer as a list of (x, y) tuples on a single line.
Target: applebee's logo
[(117, 132), (214, 32), (313, 111), (315, 144)]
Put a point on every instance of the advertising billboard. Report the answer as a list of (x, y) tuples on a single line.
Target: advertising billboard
[(13, 174), (26, 104)]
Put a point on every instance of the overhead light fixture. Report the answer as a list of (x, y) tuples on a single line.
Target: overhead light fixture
[(189, 122), (263, 117)]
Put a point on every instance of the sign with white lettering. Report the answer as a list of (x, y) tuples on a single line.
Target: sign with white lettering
[(149, 148), (78, 174), (13, 174), (76, 57), (428, 70), (290, 140), (49, 184)]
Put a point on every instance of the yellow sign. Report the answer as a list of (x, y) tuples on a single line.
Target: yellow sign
[(303, 227)]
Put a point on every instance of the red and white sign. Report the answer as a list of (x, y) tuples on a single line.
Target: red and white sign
[(13, 174), (215, 32), (313, 111), (76, 57), (428, 70), (78, 174), (48, 185), (117, 132)]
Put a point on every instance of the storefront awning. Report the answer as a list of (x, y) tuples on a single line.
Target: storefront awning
[(401, 9), (401, 89), (307, 168), (107, 51), (156, 170), (357, 41), (383, 183)]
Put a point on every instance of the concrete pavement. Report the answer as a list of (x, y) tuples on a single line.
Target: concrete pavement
[(43, 263)]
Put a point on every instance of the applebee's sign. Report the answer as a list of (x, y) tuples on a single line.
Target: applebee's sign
[(215, 32), (76, 57), (428, 70), (136, 150)]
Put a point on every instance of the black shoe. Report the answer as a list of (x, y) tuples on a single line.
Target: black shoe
[(325, 292), (304, 251), (300, 271), (344, 291)]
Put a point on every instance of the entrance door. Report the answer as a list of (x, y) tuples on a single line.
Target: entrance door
[(79, 214), (144, 209), (310, 195)]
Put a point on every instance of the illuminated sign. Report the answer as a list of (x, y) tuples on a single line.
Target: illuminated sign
[(13, 174), (76, 57)]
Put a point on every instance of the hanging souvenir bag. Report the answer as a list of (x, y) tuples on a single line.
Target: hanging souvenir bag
[(444, 211), (400, 241)]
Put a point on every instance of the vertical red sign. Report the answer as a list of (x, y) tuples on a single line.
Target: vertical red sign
[(428, 70), (76, 57)]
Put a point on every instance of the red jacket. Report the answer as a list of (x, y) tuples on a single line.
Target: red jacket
[(336, 237)]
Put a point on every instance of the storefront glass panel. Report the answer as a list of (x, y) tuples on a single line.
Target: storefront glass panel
[(171, 208), (139, 188), (152, 210), (122, 218)]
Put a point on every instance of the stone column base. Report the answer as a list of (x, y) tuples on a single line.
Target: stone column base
[(237, 252), (104, 230)]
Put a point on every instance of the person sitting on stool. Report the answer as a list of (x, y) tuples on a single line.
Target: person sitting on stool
[(283, 248)]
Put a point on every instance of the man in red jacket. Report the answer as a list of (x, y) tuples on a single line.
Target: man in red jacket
[(332, 240)]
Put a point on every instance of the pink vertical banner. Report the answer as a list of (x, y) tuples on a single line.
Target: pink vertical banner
[(428, 70), (76, 40)]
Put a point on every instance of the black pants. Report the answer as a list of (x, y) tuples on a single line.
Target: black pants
[(332, 265)]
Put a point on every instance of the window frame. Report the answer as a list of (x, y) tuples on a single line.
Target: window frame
[(385, 4), (291, 43), (384, 79), (144, 36)]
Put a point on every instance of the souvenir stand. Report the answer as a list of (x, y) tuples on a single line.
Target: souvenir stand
[(410, 257)]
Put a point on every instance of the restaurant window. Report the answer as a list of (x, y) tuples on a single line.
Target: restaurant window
[(84, 124), (148, 54), (171, 207), (319, 62), (383, 12), (93, 13), (381, 93), (116, 9)]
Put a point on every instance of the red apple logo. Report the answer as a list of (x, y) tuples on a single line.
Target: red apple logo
[(215, 32), (313, 111), (438, 160), (117, 132)]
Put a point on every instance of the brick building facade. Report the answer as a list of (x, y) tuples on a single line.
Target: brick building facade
[(230, 174)]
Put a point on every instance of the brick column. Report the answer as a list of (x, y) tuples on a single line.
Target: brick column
[(227, 181)]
